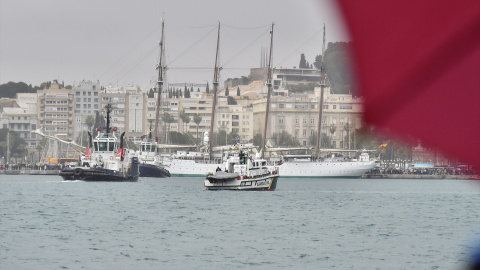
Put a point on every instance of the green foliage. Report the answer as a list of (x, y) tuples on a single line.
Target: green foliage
[(185, 118), (303, 62), (285, 139), (257, 140), (90, 121), (325, 143), (231, 100), (207, 89), (303, 87), (338, 63), (151, 93), (18, 146), (10, 89), (197, 119), (176, 137), (224, 138), (238, 81), (99, 122), (238, 91), (227, 93)]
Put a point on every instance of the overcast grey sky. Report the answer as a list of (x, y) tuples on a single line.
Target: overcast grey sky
[(116, 41)]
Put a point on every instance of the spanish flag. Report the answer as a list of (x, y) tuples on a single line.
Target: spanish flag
[(383, 145)]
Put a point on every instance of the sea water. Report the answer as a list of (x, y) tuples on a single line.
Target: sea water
[(174, 223)]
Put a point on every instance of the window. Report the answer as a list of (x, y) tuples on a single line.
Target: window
[(312, 121), (281, 120), (334, 107), (341, 121), (304, 120), (281, 105), (297, 120), (304, 133)]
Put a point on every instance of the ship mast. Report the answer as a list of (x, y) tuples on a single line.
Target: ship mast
[(269, 86), (320, 105), (159, 84), (215, 88)]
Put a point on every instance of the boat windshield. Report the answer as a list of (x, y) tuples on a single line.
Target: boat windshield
[(148, 148), (102, 146)]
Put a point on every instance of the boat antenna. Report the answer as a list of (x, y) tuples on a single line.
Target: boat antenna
[(320, 105), (160, 68), (108, 108), (215, 88), (269, 86)]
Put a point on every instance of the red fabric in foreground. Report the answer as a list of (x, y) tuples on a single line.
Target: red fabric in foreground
[(418, 67)]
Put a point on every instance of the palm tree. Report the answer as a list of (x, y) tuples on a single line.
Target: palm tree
[(167, 119), (90, 121), (185, 119), (197, 119), (332, 130)]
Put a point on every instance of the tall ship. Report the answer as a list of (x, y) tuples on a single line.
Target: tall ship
[(307, 166), (315, 166), (194, 163), (105, 158)]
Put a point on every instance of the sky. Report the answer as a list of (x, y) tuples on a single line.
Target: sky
[(116, 41)]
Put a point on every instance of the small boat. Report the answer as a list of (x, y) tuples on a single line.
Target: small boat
[(105, 159), (243, 172)]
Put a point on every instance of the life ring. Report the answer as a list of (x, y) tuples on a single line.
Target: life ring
[(78, 171)]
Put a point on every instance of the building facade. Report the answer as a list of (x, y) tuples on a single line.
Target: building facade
[(298, 115), (87, 102), (55, 111)]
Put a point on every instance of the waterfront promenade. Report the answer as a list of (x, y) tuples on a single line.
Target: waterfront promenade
[(421, 176), (30, 172)]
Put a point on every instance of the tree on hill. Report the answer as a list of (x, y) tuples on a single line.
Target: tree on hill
[(226, 92), (151, 93), (303, 62), (238, 91), (10, 89), (207, 89), (238, 81), (338, 64), (231, 100)]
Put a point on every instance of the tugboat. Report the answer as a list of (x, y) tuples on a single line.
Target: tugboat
[(105, 159), (150, 165), (243, 172)]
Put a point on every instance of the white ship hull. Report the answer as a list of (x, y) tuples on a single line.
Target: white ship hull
[(353, 169), (190, 167)]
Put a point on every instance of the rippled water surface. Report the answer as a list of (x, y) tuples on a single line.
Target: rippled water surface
[(173, 223)]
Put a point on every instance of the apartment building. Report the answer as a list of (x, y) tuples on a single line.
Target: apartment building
[(115, 96), (87, 102), (135, 113), (22, 117), (55, 111)]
